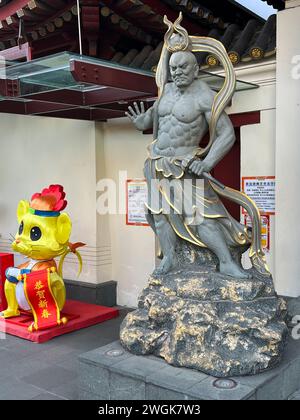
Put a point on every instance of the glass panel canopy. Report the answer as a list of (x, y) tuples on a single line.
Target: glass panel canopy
[(54, 73)]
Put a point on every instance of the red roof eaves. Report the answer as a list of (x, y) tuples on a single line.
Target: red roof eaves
[(11, 8)]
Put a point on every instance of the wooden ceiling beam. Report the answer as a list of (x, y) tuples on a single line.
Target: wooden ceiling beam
[(59, 41), (27, 14), (108, 95), (37, 14), (10, 8), (134, 15), (108, 41), (40, 8), (37, 107), (112, 77), (85, 114), (124, 27), (90, 17), (61, 96)]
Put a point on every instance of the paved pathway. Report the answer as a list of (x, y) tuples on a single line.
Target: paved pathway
[(49, 371)]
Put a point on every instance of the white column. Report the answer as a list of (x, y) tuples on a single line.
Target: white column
[(287, 253)]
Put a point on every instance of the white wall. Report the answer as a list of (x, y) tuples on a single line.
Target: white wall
[(258, 159), (132, 247), (38, 151), (288, 152)]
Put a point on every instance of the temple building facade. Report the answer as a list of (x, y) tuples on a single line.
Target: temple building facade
[(62, 119)]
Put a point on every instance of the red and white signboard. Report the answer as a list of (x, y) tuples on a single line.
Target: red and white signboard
[(262, 191)]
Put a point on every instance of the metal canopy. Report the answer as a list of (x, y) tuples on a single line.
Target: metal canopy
[(68, 85)]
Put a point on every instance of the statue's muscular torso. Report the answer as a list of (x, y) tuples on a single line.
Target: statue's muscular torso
[(182, 122)]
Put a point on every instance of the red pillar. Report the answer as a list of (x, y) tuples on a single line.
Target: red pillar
[(6, 260)]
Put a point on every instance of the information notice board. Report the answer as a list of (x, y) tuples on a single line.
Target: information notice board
[(137, 195), (262, 191)]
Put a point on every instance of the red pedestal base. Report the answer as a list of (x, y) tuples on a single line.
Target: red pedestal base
[(79, 314), (6, 261)]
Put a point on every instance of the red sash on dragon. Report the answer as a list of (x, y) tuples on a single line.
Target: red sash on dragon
[(37, 289)]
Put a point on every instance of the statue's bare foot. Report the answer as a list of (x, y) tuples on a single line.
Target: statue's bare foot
[(233, 270), (168, 263)]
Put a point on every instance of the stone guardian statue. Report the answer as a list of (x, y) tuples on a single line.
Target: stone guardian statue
[(201, 307)]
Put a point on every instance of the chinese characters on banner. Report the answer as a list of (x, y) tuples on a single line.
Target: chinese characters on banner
[(42, 302), (136, 198)]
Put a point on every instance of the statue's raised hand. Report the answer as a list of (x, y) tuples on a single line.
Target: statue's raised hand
[(137, 115)]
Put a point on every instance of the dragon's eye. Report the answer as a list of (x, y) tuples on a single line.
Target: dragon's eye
[(35, 233), (21, 228)]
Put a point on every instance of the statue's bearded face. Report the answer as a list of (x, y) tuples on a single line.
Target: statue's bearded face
[(184, 68)]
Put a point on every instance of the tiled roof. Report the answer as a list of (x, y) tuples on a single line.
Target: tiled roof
[(254, 42), (131, 31)]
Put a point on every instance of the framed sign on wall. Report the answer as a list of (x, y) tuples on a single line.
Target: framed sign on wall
[(136, 196), (261, 190)]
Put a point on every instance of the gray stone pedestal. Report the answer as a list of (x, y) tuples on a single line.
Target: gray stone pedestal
[(111, 373), (197, 318)]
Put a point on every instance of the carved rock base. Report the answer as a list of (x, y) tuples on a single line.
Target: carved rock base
[(197, 318)]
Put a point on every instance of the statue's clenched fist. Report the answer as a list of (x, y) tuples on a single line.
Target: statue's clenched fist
[(199, 167)]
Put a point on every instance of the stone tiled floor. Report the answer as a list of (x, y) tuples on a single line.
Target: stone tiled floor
[(49, 371)]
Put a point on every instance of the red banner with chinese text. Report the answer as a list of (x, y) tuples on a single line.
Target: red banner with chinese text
[(38, 293)]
